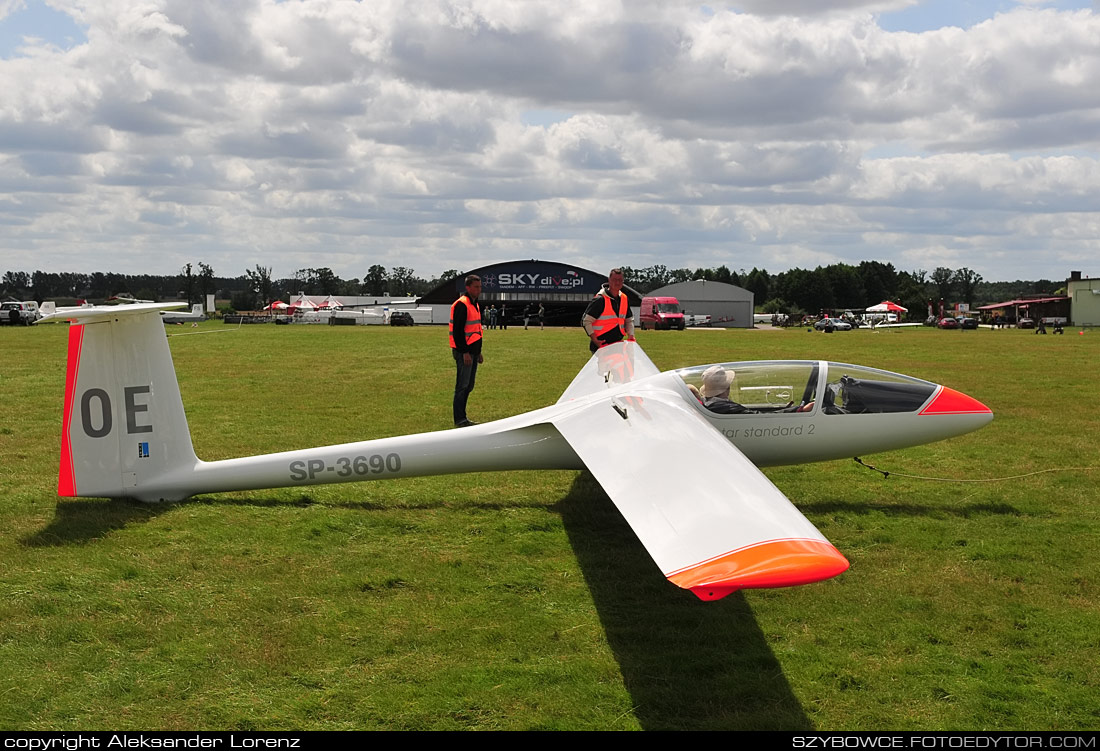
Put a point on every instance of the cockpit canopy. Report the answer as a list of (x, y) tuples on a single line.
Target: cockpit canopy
[(781, 387)]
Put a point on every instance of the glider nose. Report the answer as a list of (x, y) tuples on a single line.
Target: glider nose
[(950, 402), (957, 413)]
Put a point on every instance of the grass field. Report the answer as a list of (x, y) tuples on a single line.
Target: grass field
[(522, 600)]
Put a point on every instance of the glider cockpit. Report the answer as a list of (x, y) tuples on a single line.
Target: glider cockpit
[(779, 387), (769, 387), (791, 411)]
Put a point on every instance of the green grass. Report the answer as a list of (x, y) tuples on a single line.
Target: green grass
[(522, 600)]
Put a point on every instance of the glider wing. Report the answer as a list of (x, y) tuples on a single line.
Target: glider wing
[(710, 519)]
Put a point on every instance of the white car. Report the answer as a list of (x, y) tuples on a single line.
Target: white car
[(838, 324), (25, 313)]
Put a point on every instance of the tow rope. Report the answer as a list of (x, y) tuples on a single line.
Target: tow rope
[(885, 474)]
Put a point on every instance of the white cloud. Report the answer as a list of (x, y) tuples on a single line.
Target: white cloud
[(683, 135), (7, 7)]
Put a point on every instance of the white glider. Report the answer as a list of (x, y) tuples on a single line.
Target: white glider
[(195, 315), (685, 478)]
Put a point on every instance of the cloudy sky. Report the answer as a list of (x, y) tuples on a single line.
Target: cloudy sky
[(139, 135)]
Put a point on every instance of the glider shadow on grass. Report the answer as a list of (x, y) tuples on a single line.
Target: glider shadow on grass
[(687, 664), (84, 520)]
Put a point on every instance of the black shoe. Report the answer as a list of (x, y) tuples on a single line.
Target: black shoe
[(465, 423)]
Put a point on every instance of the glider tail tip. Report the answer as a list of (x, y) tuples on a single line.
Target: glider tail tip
[(124, 432), (776, 563)]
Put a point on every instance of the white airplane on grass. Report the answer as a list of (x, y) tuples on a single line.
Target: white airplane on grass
[(685, 478), (195, 315), (49, 309), (876, 326)]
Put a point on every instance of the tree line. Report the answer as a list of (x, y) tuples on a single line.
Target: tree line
[(842, 286), (795, 292), (252, 290)]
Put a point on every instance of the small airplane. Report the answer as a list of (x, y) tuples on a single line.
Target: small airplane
[(49, 309), (196, 315), (684, 477), (876, 326), (126, 299)]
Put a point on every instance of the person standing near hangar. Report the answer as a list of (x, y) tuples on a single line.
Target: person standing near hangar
[(608, 319), (465, 339)]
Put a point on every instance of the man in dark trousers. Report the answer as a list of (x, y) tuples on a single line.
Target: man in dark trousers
[(465, 338), (608, 319)]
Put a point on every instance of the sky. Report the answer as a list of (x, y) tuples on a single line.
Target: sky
[(140, 135)]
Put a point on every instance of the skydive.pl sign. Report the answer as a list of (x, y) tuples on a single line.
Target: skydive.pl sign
[(533, 281), (522, 280)]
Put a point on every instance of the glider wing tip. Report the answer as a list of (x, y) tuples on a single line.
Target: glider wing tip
[(785, 564)]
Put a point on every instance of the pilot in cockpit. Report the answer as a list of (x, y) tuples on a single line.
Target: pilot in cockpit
[(716, 395), (716, 392)]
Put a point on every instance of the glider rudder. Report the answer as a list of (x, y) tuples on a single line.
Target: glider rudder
[(123, 427)]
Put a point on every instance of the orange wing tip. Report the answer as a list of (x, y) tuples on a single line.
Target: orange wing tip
[(951, 402), (777, 563)]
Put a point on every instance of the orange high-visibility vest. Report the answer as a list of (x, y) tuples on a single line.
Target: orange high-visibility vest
[(473, 322), (609, 319)]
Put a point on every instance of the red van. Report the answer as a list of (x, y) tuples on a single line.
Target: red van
[(661, 313)]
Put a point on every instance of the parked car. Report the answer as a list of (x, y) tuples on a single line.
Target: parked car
[(24, 313), (401, 318), (948, 323), (967, 323), (1025, 323), (661, 313), (837, 324)]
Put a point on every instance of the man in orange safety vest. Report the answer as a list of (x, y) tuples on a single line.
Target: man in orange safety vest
[(608, 319), (465, 339)]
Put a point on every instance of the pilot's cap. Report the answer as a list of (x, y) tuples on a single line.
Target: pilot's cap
[(716, 380)]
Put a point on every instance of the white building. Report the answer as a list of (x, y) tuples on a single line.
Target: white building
[(727, 305)]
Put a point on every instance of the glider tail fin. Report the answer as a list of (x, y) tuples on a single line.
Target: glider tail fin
[(124, 432)]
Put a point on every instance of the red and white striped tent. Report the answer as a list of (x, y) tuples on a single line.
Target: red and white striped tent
[(887, 307), (303, 303)]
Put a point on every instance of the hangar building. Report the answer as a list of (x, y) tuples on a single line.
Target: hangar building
[(727, 305), (1084, 296), (563, 290)]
